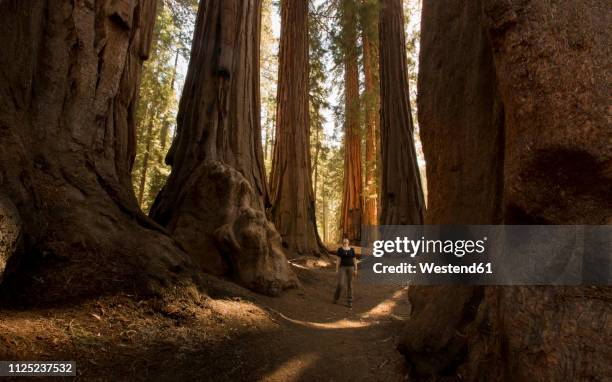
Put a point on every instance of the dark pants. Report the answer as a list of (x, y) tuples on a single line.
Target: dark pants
[(345, 276)]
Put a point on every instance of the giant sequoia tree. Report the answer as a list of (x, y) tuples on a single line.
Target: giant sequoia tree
[(351, 197), (369, 45), (402, 196), (291, 194), (214, 200), (69, 76), (513, 100)]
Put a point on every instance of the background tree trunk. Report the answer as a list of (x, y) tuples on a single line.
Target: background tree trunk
[(324, 217), (69, 77), (292, 199), (402, 195), (352, 194), (214, 199), (372, 105), (315, 170), (164, 131), (145, 160)]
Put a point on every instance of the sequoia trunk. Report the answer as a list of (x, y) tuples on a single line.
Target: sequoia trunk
[(513, 110), (214, 199), (401, 192), (69, 76), (351, 197), (372, 105), (291, 195)]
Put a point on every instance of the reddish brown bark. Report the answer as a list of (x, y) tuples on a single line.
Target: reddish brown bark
[(291, 194), (514, 114), (352, 194), (69, 76), (214, 199), (372, 105), (402, 196)]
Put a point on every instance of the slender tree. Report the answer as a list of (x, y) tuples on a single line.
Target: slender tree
[(214, 200), (352, 195), (369, 42), (402, 195), (291, 194), (145, 160), (165, 130)]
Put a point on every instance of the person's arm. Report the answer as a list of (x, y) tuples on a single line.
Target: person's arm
[(354, 261)]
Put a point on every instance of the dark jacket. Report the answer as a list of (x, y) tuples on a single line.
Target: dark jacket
[(347, 257)]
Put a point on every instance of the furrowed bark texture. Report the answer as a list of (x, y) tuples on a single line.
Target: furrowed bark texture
[(352, 206), (461, 123), (214, 200), (514, 102), (372, 116), (291, 193), (69, 77), (401, 193)]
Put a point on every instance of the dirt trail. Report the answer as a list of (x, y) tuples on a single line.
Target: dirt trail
[(232, 335), (320, 341)]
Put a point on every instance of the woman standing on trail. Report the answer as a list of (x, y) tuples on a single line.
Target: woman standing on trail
[(346, 268)]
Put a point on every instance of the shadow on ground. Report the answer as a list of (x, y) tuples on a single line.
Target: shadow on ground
[(232, 335)]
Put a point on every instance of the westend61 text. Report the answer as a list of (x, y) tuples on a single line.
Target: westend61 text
[(431, 268)]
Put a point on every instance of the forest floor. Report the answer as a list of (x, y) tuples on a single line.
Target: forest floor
[(230, 334)]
